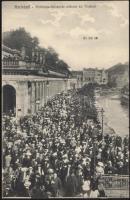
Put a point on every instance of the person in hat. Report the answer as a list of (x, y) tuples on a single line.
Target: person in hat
[(94, 181), (7, 160), (27, 160), (20, 188), (27, 184), (99, 155), (87, 170), (43, 193), (48, 182), (56, 185), (118, 141), (99, 169), (109, 169), (101, 190), (126, 141), (86, 188), (80, 178), (71, 184), (119, 167), (36, 192), (63, 173), (126, 167)]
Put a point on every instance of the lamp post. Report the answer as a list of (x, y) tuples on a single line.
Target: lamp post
[(102, 120), (102, 111)]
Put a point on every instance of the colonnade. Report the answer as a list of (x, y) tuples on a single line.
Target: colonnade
[(33, 92)]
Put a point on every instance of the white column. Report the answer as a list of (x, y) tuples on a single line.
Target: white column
[(45, 92), (33, 101), (25, 96), (22, 99), (37, 94), (29, 97), (42, 93)]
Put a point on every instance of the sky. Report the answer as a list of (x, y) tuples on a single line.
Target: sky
[(84, 33)]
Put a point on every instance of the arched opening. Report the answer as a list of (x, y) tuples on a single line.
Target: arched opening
[(9, 100)]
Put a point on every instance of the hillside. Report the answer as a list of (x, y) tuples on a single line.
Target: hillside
[(119, 68), (118, 75)]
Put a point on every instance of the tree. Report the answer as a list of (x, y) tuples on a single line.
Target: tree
[(35, 42), (62, 67), (51, 58), (19, 38)]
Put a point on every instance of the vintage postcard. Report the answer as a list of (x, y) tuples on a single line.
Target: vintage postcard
[(65, 99)]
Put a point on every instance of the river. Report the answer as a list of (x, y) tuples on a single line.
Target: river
[(116, 116)]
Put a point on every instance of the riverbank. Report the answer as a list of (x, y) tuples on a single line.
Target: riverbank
[(116, 116), (106, 92)]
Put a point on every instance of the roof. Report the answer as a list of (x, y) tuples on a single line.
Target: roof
[(9, 50), (76, 72), (89, 69)]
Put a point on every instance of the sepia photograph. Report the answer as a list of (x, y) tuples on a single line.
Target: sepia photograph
[(65, 99)]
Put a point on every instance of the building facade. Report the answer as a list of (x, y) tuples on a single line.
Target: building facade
[(26, 87), (94, 75), (78, 75)]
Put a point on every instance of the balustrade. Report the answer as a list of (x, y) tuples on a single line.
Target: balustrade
[(10, 63)]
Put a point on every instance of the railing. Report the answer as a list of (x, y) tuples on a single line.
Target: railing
[(10, 63), (115, 185), (56, 73), (115, 181)]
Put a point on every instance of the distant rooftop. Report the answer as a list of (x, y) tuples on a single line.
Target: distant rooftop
[(92, 69)]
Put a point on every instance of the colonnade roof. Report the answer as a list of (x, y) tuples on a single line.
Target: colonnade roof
[(30, 78)]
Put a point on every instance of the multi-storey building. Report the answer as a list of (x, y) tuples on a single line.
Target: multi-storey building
[(94, 75)]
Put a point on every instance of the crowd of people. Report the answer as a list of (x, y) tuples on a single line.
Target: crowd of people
[(56, 153)]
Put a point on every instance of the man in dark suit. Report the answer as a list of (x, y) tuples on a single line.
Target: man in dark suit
[(71, 184)]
